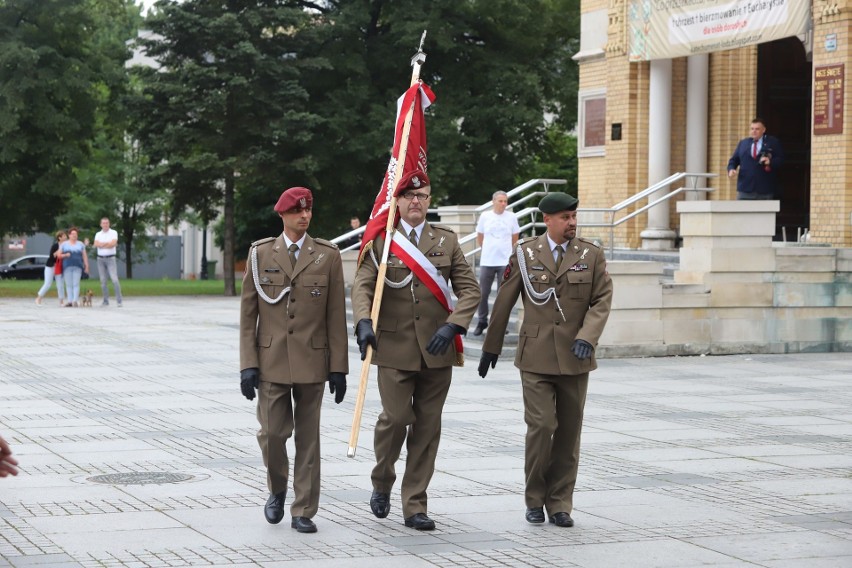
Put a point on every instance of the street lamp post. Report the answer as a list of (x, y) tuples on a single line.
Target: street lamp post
[(204, 253)]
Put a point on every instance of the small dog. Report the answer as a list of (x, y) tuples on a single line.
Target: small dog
[(87, 299)]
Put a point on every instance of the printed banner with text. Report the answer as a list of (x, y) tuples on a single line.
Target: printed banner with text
[(665, 29)]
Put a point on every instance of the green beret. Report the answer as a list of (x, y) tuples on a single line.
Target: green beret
[(556, 202)]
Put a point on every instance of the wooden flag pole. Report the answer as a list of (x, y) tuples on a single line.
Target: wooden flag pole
[(416, 63)]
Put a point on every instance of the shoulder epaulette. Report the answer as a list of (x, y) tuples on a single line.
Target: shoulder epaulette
[(595, 243), (442, 227), (261, 241), (526, 240), (325, 242)]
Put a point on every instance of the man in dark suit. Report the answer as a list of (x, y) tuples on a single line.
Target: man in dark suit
[(293, 340), (755, 163), (414, 345), (567, 295)]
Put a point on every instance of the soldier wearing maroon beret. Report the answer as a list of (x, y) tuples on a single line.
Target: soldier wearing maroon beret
[(414, 344), (293, 340)]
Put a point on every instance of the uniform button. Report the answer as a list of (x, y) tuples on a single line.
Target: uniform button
[(416, 284), (293, 283), (292, 299), (416, 301), (417, 317), (290, 332), (557, 323), (292, 316)]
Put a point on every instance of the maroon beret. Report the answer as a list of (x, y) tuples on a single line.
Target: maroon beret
[(293, 198), (412, 180)]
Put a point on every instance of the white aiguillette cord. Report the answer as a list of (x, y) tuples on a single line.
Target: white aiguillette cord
[(257, 287)]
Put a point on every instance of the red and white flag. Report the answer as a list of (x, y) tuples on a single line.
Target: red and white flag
[(421, 96)]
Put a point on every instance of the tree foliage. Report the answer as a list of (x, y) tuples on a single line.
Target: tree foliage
[(57, 69), (225, 113), (498, 68)]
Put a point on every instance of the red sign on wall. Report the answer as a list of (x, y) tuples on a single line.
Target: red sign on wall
[(828, 99)]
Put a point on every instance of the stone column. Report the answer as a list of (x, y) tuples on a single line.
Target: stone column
[(697, 77), (658, 234)]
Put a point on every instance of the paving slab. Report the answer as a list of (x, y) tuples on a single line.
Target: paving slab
[(137, 449)]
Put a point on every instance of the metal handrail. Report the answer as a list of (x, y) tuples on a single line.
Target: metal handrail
[(691, 185)]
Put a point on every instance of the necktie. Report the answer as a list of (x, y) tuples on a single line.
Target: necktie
[(293, 248), (559, 252), (412, 236), (754, 149)]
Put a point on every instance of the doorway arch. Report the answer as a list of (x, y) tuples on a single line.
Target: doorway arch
[(784, 86)]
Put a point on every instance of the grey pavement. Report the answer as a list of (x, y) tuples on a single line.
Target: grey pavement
[(137, 449)]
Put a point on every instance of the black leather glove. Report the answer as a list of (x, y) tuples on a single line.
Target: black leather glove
[(484, 360), (365, 336), (337, 386), (442, 338), (249, 379), (582, 349)]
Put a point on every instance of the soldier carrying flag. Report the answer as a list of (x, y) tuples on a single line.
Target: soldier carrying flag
[(407, 323)]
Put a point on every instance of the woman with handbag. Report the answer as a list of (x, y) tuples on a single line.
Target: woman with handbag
[(53, 271)]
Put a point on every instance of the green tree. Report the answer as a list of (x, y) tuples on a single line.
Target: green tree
[(55, 70), (498, 68), (225, 115)]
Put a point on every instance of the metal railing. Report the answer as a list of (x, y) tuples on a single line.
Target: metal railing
[(531, 212), (528, 217), (690, 185)]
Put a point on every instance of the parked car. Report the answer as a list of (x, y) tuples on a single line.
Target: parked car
[(25, 268)]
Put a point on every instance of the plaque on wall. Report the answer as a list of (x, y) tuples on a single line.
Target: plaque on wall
[(828, 99)]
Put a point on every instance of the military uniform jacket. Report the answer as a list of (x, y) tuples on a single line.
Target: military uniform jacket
[(303, 337), (410, 315), (584, 291)]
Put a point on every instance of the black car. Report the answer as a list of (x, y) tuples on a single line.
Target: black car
[(25, 268)]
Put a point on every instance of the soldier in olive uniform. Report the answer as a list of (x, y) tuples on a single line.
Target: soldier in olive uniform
[(413, 343), (567, 295), (293, 340)]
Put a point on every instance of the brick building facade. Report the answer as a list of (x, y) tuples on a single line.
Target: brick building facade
[(774, 80)]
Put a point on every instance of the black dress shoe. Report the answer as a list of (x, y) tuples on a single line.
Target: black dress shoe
[(480, 327), (380, 504), (535, 515), (274, 508), (562, 520), (420, 522), (303, 525)]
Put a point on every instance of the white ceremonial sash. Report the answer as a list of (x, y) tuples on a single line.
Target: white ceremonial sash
[(427, 273)]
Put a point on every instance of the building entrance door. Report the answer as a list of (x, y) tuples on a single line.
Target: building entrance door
[(784, 102)]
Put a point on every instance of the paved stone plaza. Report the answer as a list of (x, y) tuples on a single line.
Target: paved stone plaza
[(137, 449)]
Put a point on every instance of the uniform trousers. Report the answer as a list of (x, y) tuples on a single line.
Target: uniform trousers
[(412, 403), (553, 411), (280, 408)]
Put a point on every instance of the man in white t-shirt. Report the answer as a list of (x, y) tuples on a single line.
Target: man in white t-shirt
[(496, 232), (106, 241)]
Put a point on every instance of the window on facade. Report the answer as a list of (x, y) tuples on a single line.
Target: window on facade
[(592, 121)]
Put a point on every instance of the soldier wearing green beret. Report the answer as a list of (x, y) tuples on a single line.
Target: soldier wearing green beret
[(567, 295)]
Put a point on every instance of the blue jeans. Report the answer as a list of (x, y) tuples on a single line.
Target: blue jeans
[(49, 277), (107, 267), (72, 275)]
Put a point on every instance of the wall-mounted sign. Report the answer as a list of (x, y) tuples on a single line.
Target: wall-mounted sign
[(831, 42), (828, 99)]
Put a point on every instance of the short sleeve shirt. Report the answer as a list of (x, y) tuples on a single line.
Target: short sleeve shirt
[(497, 231), (105, 237)]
